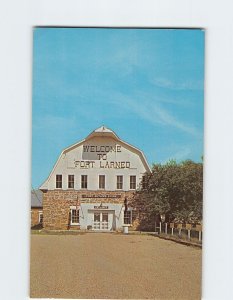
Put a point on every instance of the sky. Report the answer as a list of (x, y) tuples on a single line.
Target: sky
[(147, 85)]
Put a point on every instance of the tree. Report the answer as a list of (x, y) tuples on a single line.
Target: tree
[(174, 190)]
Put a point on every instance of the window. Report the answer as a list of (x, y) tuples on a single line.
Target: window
[(119, 182), (132, 182), (74, 216), (70, 181), (127, 217), (58, 181), (101, 181), (40, 217), (83, 181), (143, 183)]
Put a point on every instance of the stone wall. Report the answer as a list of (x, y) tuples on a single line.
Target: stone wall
[(35, 216), (56, 205)]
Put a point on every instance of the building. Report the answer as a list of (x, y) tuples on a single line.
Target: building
[(91, 183), (36, 208)]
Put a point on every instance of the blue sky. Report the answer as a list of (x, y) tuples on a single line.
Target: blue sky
[(145, 84)]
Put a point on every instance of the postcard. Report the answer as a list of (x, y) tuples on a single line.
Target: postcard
[(117, 163)]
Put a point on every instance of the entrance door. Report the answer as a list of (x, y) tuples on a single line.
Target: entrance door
[(96, 225), (104, 221), (100, 221)]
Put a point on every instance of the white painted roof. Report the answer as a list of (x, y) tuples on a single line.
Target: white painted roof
[(102, 131)]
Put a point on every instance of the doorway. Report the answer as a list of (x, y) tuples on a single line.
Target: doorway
[(101, 221)]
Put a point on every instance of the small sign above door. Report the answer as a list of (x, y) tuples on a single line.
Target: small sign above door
[(101, 207)]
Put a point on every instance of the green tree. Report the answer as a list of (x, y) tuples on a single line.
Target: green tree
[(174, 190)]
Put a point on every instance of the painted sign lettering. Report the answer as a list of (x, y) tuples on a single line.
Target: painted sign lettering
[(84, 164), (101, 160), (101, 207), (102, 148), (101, 196), (87, 164)]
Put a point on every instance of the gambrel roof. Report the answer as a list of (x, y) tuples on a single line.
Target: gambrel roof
[(102, 131)]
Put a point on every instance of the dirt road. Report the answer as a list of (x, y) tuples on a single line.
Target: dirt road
[(104, 265)]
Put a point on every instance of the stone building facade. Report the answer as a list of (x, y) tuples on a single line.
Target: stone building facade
[(91, 184)]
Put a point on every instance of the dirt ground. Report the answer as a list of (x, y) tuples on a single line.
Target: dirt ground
[(105, 265)]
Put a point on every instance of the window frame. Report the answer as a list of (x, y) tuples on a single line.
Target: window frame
[(84, 181), (69, 181), (71, 216), (121, 182), (104, 185), (58, 181), (130, 217), (130, 182), (39, 217)]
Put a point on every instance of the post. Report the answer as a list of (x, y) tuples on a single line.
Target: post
[(165, 228), (155, 226), (160, 227), (179, 232), (172, 225), (125, 229), (189, 227), (199, 229), (179, 226)]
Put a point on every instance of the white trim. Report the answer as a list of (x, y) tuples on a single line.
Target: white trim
[(83, 188), (56, 181), (133, 182), (74, 208), (130, 209), (103, 176), (39, 214), (45, 183), (121, 182), (70, 188)]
